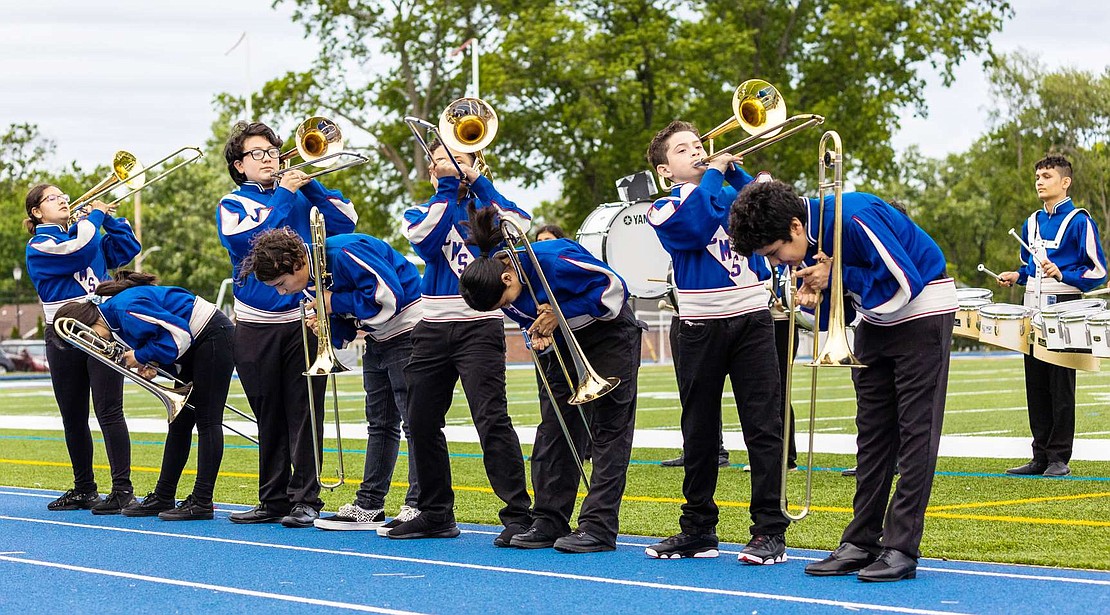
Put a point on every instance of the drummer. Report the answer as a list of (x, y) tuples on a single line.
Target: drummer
[(1067, 260)]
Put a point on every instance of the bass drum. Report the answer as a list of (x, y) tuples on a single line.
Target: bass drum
[(619, 234)]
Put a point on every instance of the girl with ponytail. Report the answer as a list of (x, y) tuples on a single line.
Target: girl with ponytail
[(593, 299), (164, 326), (66, 262)]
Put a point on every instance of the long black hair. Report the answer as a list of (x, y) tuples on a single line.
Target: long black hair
[(87, 313), (480, 283)]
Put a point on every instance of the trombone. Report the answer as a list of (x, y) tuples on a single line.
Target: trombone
[(759, 108), (326, 363), (110, 352), (836, 351), (470, 125), (319, 143), (590, 385), (126, 170)]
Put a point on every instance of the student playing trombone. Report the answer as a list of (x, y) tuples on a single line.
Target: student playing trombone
[(593, 300)]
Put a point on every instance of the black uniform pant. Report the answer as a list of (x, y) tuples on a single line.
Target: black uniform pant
[(742, 349), (782, 343), (612, 349), (1050, 393), (271, 364), (73, 374), (208, 364), (900, 407), (472, 351)]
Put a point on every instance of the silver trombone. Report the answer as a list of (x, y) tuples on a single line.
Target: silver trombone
[(319, 143), (326, 363), (126, 170), (590, 385), (836, 351), (110, 352)]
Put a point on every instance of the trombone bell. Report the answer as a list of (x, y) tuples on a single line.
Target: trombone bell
[(758, 105), (317, 137), (468, 125)]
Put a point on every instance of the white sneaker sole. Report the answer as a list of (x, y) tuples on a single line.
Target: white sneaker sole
[(701, 554), (759, 561), (328, 524)]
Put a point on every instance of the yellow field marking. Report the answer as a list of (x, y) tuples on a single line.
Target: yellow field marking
[(724, 503), (1057, 498)]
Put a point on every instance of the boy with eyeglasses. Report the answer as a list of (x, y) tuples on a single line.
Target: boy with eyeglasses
[(268, 342)]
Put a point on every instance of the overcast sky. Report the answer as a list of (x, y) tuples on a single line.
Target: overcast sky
[(98, 76)]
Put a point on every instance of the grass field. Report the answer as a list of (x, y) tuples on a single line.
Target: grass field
[(976, 512)]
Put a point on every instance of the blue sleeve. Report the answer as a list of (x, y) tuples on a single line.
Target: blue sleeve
[(237, 225), (689, 223), (426, 226), (590, 287), (339, 213), (489, 197), (53, 258), (156, 335), (882, 273), (1089, 271), (343, 331), (371, 287), (119, 244), (737, 177)]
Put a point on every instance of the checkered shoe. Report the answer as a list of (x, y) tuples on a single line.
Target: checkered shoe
[(407, 513), (352, 517)]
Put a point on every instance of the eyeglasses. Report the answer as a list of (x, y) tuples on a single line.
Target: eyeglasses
[(259, 154), (55, 197)]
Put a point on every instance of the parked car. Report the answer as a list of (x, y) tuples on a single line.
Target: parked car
[(6, 364), (26, 355)]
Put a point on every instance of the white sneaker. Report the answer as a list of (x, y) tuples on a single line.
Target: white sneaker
[(407, 513), (352, 517)]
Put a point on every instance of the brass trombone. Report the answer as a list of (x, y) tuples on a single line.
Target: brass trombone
[(759, 108), (126, 170), (469, 125), (111, 352), (590, 385), (836, 351), (319, 143), (326, 363)]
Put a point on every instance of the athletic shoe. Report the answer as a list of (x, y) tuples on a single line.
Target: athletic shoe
[(352, 517), (582, 542), (506, 536), (677, 462), (151, 505), (533, 538), (407, 513), (114, 503), (1032, 468), (685, 545), (1057, 468), (189, 510), (764, 549), (425, 527), (75, 500)]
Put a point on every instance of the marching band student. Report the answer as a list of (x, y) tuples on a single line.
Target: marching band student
[(374, 288), (456, 342), (593, 300), (268, 340), (167, 325), (1071, 262), (726, 332), (895, 275), (66, 262)]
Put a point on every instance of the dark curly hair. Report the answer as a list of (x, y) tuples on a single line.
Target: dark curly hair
[(480, 283), (1061, 164), (233, 149), (274, 253), (761, 215)]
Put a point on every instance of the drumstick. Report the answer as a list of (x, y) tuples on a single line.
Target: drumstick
[(1040, 262), (984, 269)]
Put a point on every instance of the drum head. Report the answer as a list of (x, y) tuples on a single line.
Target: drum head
[(619, 234), (973, 293)]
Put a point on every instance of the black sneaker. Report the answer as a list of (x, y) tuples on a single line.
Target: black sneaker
[(423, 527), (511, 531), (407, 513), (685, 545), (764, 549), (533, 538), (114, 503), (151, 505), (582, 542), (677, 462), (1030, 469), (75, 500), (190, 509)]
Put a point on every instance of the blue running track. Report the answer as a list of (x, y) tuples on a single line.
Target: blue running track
[(74, 562)]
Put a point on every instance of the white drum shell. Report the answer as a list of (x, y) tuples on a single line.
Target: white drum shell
[(1053, 329), (1073, 326), (619, 235), (1098, 333), (1005, 325), (967, 317), (963, 294)]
